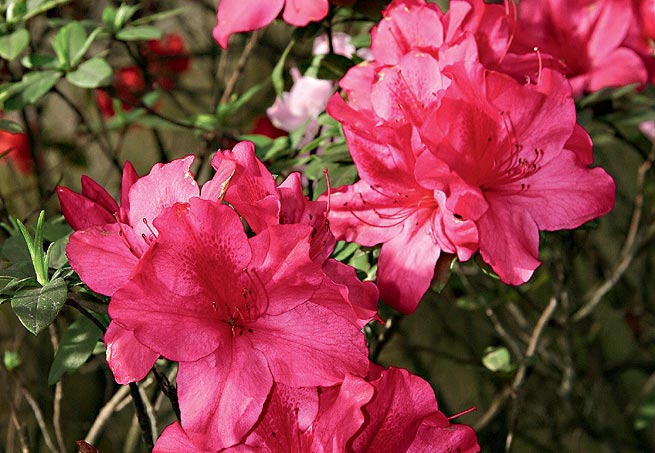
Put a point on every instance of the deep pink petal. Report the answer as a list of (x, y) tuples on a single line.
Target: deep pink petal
[(401, 402), (81, 212), (192, 280), (130, 176), (128, 359), (406, 265), (299, 357), (406, 91), (405, 28), (346, 295), (509, 241), (285, 425), (235, 16), (222, 395), (621, 67), (564, 194), (252, 189), (302, 12), (95, 192), (282, 267), (102, 258), (437, 435), (165, 185), (341, 414), (174, 440)]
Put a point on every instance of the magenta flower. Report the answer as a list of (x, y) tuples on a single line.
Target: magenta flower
[(587, 38), (235, 16), (512, 159), (253, 194), (403, 416), (294, 420), (238, 314), (391, 411), (110, 240)]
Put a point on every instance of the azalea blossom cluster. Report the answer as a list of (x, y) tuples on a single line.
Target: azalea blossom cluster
[(454, 155), (266, 328)]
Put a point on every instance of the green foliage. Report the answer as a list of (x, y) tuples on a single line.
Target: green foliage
[(75, 348), (14, 44), (30, 90), (91, 74), (36, 308)]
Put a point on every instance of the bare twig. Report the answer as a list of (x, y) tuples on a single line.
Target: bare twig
[(142, 415), (546, 315), (38, 415), (105, 413), (238, 70), (18, 426), (493, 409), (56, 410)]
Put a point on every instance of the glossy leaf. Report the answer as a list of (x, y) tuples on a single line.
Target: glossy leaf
[(142, 33), (91, 74), (75, 348), (13, 44), (36, 308)]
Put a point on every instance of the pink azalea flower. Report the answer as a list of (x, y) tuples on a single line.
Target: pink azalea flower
[(403, 416), (254, 195), (512, 159), (588, 38), (391, 411), (295, 420), (303, 104), (238, 314), (235, 16), (110, 240)]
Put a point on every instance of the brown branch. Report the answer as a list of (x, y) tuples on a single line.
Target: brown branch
[(628, 251)]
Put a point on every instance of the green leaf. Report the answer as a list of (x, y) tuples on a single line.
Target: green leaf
[(646, 413), (39, 61), (276, 76), (37, 7), (497, 359), (16, 11), (11, 360), (15, 250), (13, 44), (333, 67), (75, 348), (159, 16), (29, 90), (56, 255), (67, 43), (224, 111), (123, 15), (91, 74), (142, 33), (10, 126), (109, 17), (77, 56), (36, 308)]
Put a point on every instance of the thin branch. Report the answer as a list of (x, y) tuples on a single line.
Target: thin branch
[(38, 415), (238, 70), (59, 394), (89, 316), (493, 409), (142, 416), (546, 315), (629, 249), (18, 426), (105, 147), (105, 413)]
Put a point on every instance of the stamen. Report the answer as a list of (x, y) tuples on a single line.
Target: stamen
[(536, 49), (467, 411)]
